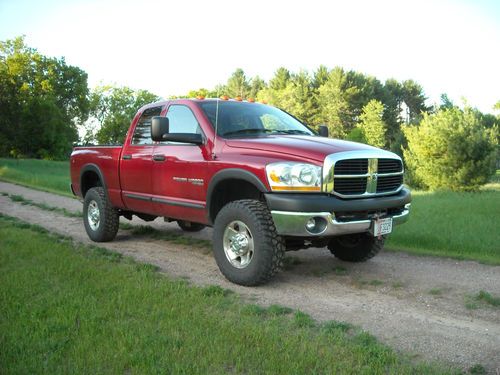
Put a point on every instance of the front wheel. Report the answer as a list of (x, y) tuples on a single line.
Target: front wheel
[(100, 218), (247, 248), (357, 247)]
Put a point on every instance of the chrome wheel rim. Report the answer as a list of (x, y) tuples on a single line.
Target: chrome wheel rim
[(238, 244), (93, 215)]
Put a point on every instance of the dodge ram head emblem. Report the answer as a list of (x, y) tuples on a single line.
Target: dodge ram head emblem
[(371, 181)]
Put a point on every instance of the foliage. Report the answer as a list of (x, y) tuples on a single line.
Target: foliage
[(451, 149), (114, 108), (237, 85), (372, 125), (42, 100)]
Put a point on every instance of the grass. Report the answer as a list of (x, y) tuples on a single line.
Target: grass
[(457, 225), (67, 308), (481, 299), (436, 291), (448, 224), (488, 298), (46, 175), (43, 206)]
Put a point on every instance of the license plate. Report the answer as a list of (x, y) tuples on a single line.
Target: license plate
[(382, 226)]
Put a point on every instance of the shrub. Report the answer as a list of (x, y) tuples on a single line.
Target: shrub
[(451, 149)]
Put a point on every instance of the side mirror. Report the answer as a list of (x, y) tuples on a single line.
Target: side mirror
[(323, 131), (159, 127)]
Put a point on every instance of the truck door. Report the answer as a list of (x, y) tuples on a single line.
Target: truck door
[(136, 164), (179, 170)]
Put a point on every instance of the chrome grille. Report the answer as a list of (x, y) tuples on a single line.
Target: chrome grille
[(364, 173)]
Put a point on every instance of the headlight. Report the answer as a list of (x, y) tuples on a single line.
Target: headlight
[(290, 176)]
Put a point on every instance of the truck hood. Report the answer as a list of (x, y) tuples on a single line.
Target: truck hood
[(309, 147)]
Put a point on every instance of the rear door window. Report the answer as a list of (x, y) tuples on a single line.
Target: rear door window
[(142, 131)]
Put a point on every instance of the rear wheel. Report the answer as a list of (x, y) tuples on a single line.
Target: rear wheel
[(357, 247), (100, 218), (247, 248), (189, 226)]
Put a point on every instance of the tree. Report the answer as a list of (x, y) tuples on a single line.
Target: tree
[(334, 98), (113, 108), (237, 85), (372, 125), (42, 101), (257, 84), (280, 80), (451, 149), (320, 77)]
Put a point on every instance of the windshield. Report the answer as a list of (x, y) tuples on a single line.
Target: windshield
[(242, 119)]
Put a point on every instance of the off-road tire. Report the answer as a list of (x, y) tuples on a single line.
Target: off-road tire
[(269, 247), (357, 247), (188, 226), (108, 216)]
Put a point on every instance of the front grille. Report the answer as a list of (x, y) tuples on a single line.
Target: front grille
[(389, 166), (362, 174), (351, 166), (389, 183), (348, 186)]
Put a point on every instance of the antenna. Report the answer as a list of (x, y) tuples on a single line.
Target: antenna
[(216, 125)]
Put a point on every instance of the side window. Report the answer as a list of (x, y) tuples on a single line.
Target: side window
[(182, 120), (142, 132)]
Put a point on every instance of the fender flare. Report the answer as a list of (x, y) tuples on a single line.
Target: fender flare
[(232, 174), (93, 168)]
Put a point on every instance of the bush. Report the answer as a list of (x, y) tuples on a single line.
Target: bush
[(451, 149)]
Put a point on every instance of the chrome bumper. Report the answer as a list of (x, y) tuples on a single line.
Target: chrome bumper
[(294, 223)]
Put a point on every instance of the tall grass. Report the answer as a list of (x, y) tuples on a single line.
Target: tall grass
[(67, 309), (45, 175)]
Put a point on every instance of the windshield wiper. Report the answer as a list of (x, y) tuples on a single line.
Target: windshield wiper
[(292, 131), (248, 131)]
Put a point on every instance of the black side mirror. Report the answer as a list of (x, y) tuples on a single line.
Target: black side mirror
[(159, 127), (323, 131)]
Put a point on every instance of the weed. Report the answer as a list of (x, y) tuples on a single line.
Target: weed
[(436, 291)]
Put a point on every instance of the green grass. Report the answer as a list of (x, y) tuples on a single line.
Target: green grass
[(457, 225), (46, 175), (66, 308), (43, 206), (488, 298)]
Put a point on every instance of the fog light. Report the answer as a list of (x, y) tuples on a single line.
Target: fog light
[(311, 224), (316, 225)]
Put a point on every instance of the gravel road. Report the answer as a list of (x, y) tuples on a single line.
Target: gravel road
[(414, 304)]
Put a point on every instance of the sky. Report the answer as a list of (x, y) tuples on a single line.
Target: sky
[(171, 47)]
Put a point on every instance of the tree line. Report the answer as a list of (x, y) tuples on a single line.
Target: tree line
[(44, 101)]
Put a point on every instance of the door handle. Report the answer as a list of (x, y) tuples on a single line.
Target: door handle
[(159, 157), (127, 157)]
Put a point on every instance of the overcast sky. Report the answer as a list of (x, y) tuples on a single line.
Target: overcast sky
[(170, 47)]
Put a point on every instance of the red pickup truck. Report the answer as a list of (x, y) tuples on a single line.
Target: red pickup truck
[(264, 181)]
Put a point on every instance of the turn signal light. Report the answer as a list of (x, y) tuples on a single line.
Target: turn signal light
[(251, 100), (200, 97), (238, 98), (224, 97)]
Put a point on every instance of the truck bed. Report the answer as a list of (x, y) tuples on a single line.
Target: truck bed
[(108, 160)]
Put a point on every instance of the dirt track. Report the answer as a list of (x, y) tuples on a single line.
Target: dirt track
[(388, 296)]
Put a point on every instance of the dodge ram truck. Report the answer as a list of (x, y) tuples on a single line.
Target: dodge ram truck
[(264, 181)]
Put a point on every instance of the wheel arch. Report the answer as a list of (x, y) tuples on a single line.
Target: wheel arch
[(229, 185), (91, 176)]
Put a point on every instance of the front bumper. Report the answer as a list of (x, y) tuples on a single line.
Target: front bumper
[(292, 212)]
